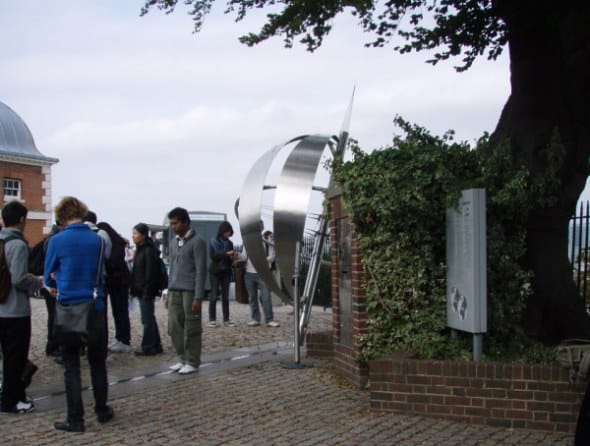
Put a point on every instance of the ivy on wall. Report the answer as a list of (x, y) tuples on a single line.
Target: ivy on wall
[(397, 198)]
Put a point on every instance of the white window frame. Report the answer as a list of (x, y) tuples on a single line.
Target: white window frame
[(14, 187)]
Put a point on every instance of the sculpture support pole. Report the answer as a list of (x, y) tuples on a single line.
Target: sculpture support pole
[(296, 300), (313, 273)]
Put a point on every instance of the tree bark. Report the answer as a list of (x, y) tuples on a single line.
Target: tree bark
[(549, 44)]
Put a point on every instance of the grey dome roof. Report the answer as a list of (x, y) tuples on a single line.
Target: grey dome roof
[(16, 139)]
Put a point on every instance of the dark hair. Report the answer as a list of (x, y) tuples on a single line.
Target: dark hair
[(13, 212), (224, 227), (91, 217), (265, 234), (112, 232), (142, 229), (180, 214)]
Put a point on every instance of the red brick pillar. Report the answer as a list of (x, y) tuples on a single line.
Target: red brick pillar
[(349, 316)]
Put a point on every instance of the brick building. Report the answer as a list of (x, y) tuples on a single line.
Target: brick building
[(25, 173)]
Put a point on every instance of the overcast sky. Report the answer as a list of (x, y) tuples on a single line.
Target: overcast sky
[(144, 115)]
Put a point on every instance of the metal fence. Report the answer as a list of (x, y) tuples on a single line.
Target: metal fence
[(578, 249)]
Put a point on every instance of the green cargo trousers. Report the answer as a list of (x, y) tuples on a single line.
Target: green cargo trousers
[(184, 327)]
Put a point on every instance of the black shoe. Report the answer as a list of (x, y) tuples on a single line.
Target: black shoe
[(28, 372), (69, 427), (51, 351), (149, 352), (105, 416)]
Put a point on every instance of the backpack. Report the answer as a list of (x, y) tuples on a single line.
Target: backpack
[(5, 279), (163, 278), (117, 272), (37, 258)]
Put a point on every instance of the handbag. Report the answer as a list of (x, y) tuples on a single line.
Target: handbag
[(73, 325)]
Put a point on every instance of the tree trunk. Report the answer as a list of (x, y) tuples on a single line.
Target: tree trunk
[(549, 44)]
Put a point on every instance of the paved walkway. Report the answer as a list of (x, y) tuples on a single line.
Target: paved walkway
[(241, 395)]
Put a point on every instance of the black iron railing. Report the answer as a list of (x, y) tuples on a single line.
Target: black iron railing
[(578, 249)]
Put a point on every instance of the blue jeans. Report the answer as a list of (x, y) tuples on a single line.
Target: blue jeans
[(216, 281), (253, 285), (120, 309), (151, 333)]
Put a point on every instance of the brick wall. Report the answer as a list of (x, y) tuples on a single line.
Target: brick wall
[(319, 344), (536, 397), (346, 358), (31, 178), (515, 395), (33, 183)]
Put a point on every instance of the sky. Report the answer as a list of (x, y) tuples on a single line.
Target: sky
[(144, 115)]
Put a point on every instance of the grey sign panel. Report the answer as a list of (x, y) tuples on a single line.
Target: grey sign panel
[(466, 263), (344, 250)]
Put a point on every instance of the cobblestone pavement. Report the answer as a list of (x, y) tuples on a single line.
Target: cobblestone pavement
[(235, 399)]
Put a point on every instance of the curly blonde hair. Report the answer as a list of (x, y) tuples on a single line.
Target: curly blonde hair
[(70, 208)]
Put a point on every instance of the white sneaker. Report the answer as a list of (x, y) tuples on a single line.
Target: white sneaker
[(186, 369), (176, 367), (114, 347), (125, 348), (253, 323), (229, 323), (212, 324), (24, 406), (273, 324)]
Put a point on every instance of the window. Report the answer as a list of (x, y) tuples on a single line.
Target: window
[(11, 189)]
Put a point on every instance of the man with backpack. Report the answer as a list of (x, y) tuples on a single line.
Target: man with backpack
[(36, 264), (15, 309), (117, 287)]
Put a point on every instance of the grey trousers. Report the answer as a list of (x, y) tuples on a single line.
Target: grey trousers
[(184, 327)]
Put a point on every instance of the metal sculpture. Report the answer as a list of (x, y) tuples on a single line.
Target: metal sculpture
[(291, 202)]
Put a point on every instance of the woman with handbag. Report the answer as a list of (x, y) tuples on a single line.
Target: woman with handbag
[(74, 264), (221, 251)]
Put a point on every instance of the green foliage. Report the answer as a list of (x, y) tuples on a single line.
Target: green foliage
[(397, 198)]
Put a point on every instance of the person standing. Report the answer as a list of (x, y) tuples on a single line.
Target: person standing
[(144, 286), (257, 289), (221, 251), (15, 311), (117, 288), (75, 266), (186, 290)]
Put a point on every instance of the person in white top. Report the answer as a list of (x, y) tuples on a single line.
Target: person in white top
[(258, 290)]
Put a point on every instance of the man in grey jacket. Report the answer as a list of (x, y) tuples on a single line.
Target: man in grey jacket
[(186, 290), (15, 311)]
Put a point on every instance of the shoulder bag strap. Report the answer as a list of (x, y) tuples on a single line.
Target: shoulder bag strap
[(98, 269)]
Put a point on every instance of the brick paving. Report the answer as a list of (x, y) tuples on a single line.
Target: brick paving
[(234, 401)]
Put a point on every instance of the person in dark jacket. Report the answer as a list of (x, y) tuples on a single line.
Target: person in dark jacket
[(117, 287), (144, 285), (221, 251)]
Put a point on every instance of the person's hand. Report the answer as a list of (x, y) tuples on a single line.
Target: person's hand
[(230, 254), (196, 306)]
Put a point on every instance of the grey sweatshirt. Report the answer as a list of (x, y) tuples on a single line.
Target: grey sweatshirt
[(188, 265), (23, 284)]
